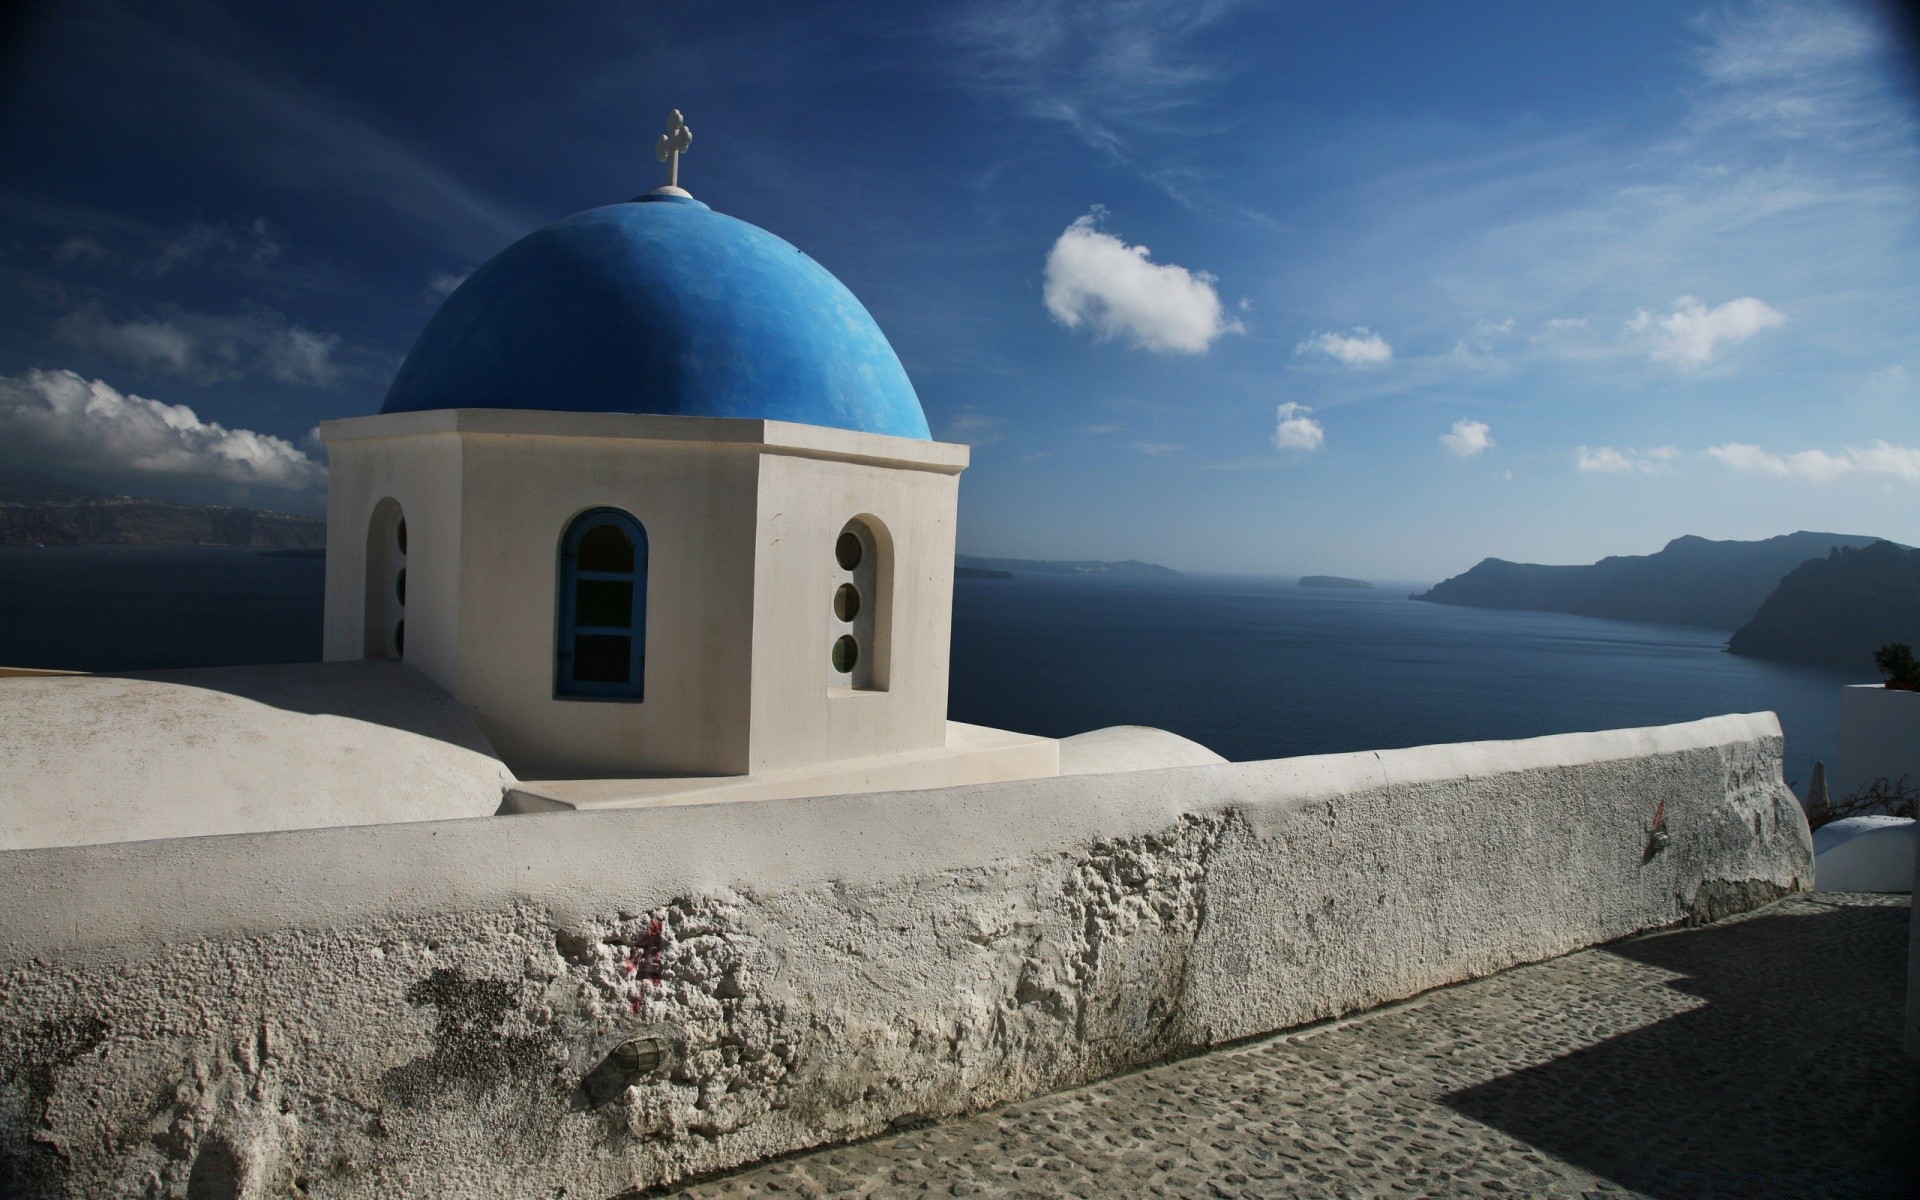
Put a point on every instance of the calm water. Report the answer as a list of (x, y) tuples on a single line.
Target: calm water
[(1253, 668)]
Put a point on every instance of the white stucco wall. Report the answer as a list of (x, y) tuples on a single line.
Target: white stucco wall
[(799, 717), (1871, 853), (1130, 748), (1879, 739), (178, 754), (740, 517), (429, 1010)]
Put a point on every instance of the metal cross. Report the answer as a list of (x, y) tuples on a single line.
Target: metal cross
[(672, 144)]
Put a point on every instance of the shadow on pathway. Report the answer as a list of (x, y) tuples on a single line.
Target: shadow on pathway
[(1789, 1081)]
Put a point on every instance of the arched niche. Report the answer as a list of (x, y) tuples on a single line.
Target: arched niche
[(859, 618), (386, 600)]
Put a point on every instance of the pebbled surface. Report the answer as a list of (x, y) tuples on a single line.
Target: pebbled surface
[(1755, 1058)]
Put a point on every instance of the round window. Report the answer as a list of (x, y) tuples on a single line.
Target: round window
[(848, 550), (400, 638), (846, 655), (400, 586), (846, 602), (400, 534)]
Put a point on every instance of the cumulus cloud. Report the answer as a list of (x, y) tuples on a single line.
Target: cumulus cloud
[(60, 423), (1818, 466), (1605, 460), (206, 348), (1468, 438), (1693, 333), (1095, 279), (1360, 347), (1298, 431)]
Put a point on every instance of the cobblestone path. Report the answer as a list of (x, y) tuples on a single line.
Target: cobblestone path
[(1758, 1057)]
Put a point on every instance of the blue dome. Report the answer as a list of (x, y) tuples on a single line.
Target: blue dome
[(659, 305)]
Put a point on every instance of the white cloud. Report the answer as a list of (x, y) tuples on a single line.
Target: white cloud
[(1361, 347), (1158, 448), (60, 423), (1818, 466), (1605, 460), (1094, 278), (206, 348), (1468, 438), (149, 345), (1693, 332), (441, 284), (254, 244), (296, 355), (1296, 430), (1107, 70), (975, 427), (77, 250)]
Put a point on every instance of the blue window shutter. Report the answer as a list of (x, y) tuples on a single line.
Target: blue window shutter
[(600, 652)]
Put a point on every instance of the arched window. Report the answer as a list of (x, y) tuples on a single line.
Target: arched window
[(602, 648), (857, 625), (385, 618)]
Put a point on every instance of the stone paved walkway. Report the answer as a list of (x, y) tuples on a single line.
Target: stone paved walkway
[(1759, 1057)]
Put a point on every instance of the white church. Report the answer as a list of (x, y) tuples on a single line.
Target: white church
[(654, 502)]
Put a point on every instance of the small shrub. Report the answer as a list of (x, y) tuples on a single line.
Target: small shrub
[(1896, 662), (1891, 797)]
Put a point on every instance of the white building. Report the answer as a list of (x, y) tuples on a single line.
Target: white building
[(654, 502)]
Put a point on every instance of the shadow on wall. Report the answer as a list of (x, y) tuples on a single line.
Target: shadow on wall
[(376, 691), (1789, 999)]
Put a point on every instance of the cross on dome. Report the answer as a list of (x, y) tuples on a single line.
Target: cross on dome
[(672, 144)]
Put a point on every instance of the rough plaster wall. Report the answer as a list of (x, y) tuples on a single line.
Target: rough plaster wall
[(397, 1047)]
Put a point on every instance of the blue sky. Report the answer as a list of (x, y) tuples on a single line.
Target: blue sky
[(1365, 288)]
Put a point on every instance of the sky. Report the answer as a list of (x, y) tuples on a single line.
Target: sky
[(1362, 288)]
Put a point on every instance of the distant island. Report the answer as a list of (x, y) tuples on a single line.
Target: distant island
[(960, 572), (1839, 609), (1043, 566), (36, 510), (1692, 581), (1332, 581)]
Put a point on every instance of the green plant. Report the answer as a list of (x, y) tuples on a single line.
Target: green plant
[(1889, 796), (1896, 662)]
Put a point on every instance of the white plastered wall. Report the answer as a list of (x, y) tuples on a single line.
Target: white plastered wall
[(799, 716), (1879, 739), (418, 468), (735, 615)]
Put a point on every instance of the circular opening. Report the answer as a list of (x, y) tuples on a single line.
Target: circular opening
[(846, 653), (400, 638), (400, 586), (846, 602), (400, 534), (848, 550)]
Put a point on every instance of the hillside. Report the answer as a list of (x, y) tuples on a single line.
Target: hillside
[(38, 510), (1332, 581), (1838, 610), (1692, 581), (1040, 566)]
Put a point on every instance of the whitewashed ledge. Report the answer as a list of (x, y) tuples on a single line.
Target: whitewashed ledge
[(433, 1010)]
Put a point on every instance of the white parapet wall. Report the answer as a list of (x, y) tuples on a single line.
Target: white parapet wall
[(1879, 739), (584, 1003)]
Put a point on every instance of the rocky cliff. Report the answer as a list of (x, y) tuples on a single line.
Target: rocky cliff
[(1692, 581), (1839, 609)]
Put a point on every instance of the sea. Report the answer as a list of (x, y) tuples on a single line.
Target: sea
[(1253, 667)]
